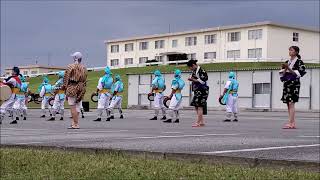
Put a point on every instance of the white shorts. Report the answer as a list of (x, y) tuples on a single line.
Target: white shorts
[(115, 102), (20, 104), (72, 102), (58, 103), (174, 103), (6, 105), (158, 101), (232, 104), (103, 101), (45, 102)]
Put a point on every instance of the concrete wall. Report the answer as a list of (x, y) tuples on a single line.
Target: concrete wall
[(280, 39), (139, 87)]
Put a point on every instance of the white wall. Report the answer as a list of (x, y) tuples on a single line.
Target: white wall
[(280, 39), (138, 90)]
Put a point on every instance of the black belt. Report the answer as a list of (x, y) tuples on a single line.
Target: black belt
[(73, 82)]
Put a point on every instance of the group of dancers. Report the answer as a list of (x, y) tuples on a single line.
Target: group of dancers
[(16, 105), (109, 92)]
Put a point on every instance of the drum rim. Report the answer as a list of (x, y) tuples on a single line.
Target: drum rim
[(93, 95), (151, 95), (220, 98), (8, 89)]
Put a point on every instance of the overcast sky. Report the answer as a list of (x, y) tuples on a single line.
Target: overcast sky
[(45, 30)]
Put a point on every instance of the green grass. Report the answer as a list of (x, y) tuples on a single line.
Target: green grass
[(94, 75), (56, 164)]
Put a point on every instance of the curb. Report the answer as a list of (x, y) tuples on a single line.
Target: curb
[(194, 158)]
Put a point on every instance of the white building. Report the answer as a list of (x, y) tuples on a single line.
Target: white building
[(263, 41)]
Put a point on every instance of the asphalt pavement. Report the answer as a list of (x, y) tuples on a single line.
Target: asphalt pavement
[(256, 135)]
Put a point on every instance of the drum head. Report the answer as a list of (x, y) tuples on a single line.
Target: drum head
[(5, 92), (94, 97), (37, 99), (51, 100), (166, 101), (220, 100), (29, 98), (151, 96)]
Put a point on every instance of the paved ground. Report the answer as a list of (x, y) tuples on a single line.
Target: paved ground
[(257, 134)]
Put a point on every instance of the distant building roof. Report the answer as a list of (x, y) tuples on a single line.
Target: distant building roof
[(37, 66), (215, 29)]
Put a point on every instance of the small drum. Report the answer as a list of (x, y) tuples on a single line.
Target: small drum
[(5, 92), (51, 100), (37, 99), (151, 96), (221, 100), (166, 101), (94, 97)]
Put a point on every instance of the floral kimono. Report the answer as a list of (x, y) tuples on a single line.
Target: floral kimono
[(291, 81)]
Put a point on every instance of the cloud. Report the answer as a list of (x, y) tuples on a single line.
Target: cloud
[(32, 30)]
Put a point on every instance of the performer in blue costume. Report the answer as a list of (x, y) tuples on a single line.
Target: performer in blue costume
[(116, 102), (19, 105), (177, 86), (59, 97), (230, 97), (157, 87), (46, 94), (104, 93)]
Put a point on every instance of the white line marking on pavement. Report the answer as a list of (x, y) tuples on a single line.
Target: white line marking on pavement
[(310, 136), (259, 149), (180, 136), (172, 132)]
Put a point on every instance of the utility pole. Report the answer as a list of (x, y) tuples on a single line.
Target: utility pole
[(49, 58)]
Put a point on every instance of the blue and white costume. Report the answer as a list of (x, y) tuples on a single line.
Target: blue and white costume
[(19, 105), (158, 86), (59, 97), (232, 86), (116, 90), (177, 85), (46, 94), (104, 92), (15, 83)]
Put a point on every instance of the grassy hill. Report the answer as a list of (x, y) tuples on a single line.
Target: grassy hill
[(93, 76)]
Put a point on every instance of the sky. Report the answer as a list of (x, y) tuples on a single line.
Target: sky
[(49, 31)]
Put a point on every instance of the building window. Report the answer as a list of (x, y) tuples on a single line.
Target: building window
[(262, 88), (128, 47), (174, 43), (210, 55), (25, 72), (255, 34), (159, 44), (210, 39), (34, 72), (191, 41), (255, 53), (114, 48), (114, 62), (234, 36), (191, 56), (143, 60), (128, 61), (143, 45), (295, 37), (159, 58), (233, 54)]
